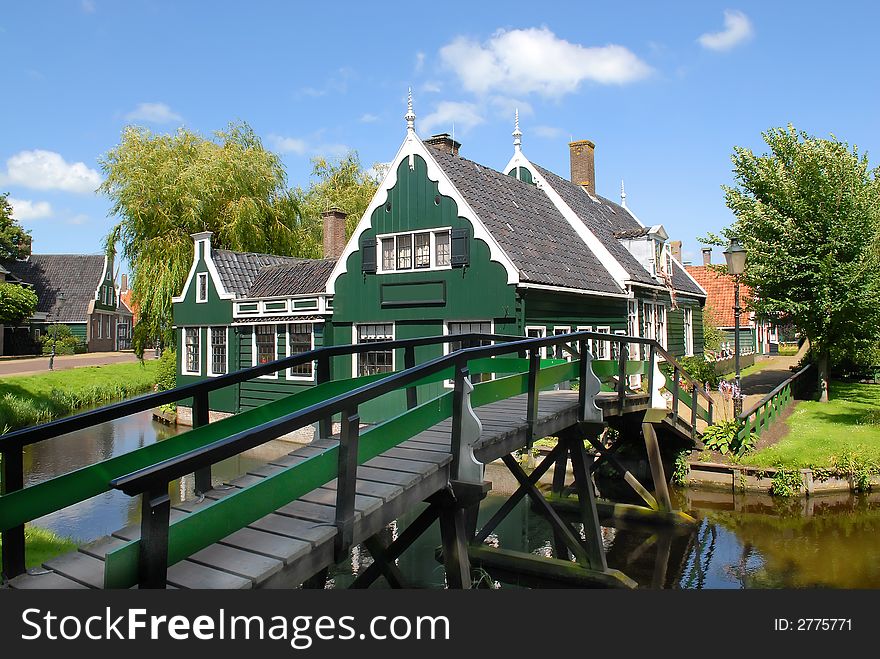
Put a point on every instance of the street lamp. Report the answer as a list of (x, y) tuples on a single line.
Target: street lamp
[(735, 255), (60, 299)]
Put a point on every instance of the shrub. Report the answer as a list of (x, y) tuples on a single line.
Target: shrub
[(167, 376), (63, 338), (722, 437)]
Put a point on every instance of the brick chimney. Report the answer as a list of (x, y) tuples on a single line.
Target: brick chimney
[(444, 142), (675, 248), (583, 166), (334, 232), (124, 284), (707, 255)]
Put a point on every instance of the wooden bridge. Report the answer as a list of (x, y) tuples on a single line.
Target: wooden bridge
[(286, 523)]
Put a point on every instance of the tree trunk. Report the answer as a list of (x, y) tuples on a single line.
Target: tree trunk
[(823, 376)]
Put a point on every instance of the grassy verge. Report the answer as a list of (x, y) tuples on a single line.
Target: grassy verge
[(33, 399), (757, 367), (833, 435), (42, 545)]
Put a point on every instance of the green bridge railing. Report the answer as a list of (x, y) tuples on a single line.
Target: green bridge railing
[(758, 418)]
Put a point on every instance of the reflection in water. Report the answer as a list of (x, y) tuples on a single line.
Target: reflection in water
[(110, 511), (746, 541)]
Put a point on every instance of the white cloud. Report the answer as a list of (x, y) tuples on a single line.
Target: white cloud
[(288, 144), (79, 218), (420, 61), (24, 209), (737, 28), (546, 132), (368, 118), (431, 87), (302, 146), (506, 107), (536, 61), (155, 113), (463, 115), (47, 170)]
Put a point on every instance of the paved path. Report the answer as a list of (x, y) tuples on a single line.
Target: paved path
[(34, 365)]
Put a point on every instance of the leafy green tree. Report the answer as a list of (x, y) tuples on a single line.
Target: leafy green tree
[(712, 334), (17, 303), (167, 187), (15, 242), (808, 213), (342, 183)]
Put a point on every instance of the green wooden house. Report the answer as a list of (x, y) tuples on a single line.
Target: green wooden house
[(446, 246)]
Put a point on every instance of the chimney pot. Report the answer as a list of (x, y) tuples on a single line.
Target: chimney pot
[(583, 166), (707, 255), (334, 232), (444, 142)]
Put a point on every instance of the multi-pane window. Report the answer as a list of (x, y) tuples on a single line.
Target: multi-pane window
[(688, 331), (191, 350), (107, 332), (375, 361), (300, 341), (475, 327), (590, 347), (203, 287), (660, 320), (649, 325), (632, 326), (559, 352), (265, 343), (423, 250), (538, 333), (404, 252), (602, 347), (218, 350), (419, 250)]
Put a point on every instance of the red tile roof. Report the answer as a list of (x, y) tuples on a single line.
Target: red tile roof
[(720, 294)]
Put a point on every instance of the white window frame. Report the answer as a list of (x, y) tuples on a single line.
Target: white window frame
[(589, 342), (446, 323), (210, 339), (100, 319), (432, 247), (201, 277), (688, 320), (354, 341), (183, 364), (254, 362), (661, 321), (611, 347), (562, 329), (543, 335), (289, 374), (603, 348)]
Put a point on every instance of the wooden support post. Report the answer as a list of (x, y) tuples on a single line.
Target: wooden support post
[(387, 566), (409, 361), (581, 462), (325, 425), (201, 417), (453, 533), (694, 405), (661, 489), (13, 539), (532, 403), (153, 558), (346, 483), (622, 357), (676, 375)]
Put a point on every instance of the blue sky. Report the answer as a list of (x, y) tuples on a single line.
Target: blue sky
[(665, 90)]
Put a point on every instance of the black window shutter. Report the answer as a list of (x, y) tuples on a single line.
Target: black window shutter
[(368, 255), (461, 248)]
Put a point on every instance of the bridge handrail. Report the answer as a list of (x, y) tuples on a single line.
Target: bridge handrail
[(770, 405)]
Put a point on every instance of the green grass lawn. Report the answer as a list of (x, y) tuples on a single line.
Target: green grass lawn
[(757, 367), (31, 399), (820, 433), (42, 545)]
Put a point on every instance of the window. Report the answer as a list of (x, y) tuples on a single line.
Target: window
[(473, 327), (661, 325), (615, 346), (632, 327), (404, 252), (388, 254), (649, 325), (100, 326), (537, 332), (36, 334), (202, 292), (559, 352), (602, 347), (589, 342), (264, 342), (441, 245), (423, 250), (107, 331), (218, 351), (299, 340), (689, 331), (374, 361), (191, 353)]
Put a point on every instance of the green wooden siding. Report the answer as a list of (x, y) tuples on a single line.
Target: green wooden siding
[(746, 338), (222, 400), (549, 309)]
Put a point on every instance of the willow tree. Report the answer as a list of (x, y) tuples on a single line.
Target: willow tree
[(166, 187), (808, 213)]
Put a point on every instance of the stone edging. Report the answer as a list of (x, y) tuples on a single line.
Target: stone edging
[(718, 476)]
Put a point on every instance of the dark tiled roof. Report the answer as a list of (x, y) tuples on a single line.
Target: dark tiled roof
[(238, 270), (683, 283), (528, 227), (632, 233), (307, 276), (75, 275), (603, 219)]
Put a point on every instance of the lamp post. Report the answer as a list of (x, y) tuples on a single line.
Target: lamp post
[(735, 255)]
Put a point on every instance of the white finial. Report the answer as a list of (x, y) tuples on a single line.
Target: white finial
[(517, 133), (410, 116), (622, 194)]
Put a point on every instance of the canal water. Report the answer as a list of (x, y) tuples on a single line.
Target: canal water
[(742, 541)]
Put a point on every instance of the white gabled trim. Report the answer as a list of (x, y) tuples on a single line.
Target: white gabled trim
[(684, 270), (578, 291), (412, 145), (595, 245), (202, 246)]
